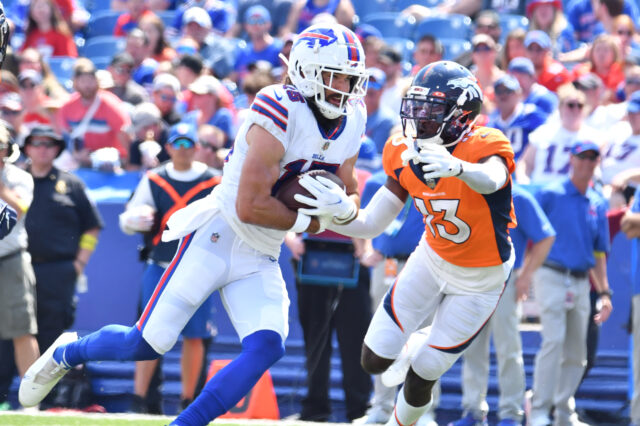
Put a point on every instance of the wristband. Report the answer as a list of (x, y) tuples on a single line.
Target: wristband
[(302, 223), (607, 293), (88, 242)]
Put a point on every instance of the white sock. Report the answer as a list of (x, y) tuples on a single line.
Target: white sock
[(406, 414)]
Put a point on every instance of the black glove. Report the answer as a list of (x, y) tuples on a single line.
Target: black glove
[(4, 35), (8, 219)]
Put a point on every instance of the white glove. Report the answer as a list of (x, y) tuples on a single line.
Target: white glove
[(439, 162), (330, 199), (137, 219)]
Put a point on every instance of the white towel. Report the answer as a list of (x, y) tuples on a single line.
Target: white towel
[(190, 218)]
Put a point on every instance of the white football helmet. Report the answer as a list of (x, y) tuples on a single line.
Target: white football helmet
[(332, 49)]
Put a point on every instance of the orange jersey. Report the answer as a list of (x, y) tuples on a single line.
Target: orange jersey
[(462, 226)]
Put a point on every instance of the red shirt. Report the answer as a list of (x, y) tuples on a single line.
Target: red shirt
[(58, 44), (553, 74), (126, 23), (611, 79)]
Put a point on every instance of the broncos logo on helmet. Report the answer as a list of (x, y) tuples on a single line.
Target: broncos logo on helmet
[(322, 36)]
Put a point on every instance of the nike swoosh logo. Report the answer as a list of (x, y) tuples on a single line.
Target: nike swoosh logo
[(278, 97)]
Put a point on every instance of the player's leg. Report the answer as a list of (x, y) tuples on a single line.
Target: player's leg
[(551, 295), (257, 304), (574, 353)]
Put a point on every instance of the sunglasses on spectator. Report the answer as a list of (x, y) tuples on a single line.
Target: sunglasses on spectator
[(574, 105), (123, 70), (502, 90), (46, 144), (625, 32), (534, 48), (166, 98), (26, 84), (482, 48), (632, 81), (7, 111), (210, 146), (588, 155), (487, 26), (183, 143)]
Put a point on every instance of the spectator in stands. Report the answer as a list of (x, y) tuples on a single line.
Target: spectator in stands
[(221, 14), (149, 135), (515, 119), (83, 117), (8, 82), (428, 50), (18, 303), (625, 32), (592, 17), (135, 11), (279, 13), (604, 60), (189, 68), (390, 61), (212, 151), (252, 84), (31, 58), (153, 27), (486, 22), (513, 47), (73, 12), (261, 46), (484, 68), (121, 69), (631, 227), (595, 112), (47, 31), (549, 72), (546, 158), (12, 111), (622, 154), (380, 119), (578, 214), (159, 194), (547, 16), (372, 43), (63, 227), (205, 98), (164, 94), (138, 46), (532, 93), (38, 107), (303, 11)]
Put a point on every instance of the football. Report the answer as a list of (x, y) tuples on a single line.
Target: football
[(292, 187)]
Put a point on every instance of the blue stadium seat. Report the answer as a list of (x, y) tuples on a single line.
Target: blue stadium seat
[(62, 68), (102, 23), (444, 26), (93, 6), (367, 7), (454, 47), (101, 62), (509, 22), (167, 16), (392, 24), (106, 45), (404, 45), (401, 5)]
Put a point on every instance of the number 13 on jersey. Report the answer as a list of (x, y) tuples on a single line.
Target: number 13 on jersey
[(446, 224)]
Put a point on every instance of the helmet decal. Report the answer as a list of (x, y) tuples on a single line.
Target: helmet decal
[(317, 36)]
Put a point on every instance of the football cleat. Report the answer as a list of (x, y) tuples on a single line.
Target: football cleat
[(43, 374), (469, 420)]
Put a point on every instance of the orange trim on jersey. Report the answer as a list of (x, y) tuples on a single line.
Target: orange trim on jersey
[(180, 201)]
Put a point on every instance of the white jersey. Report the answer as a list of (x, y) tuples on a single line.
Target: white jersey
[(283, 112), (553, 149), (623, 153)]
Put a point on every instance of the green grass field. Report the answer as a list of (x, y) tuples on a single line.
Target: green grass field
[(83, 419)]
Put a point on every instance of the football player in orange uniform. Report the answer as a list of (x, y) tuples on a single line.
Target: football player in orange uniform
[(458, 175)]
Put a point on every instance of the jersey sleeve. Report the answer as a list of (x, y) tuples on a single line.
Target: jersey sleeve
[(495, 143), (270, 109), (391, 156)]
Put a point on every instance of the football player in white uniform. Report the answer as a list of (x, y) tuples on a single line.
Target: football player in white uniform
[(231, 239)]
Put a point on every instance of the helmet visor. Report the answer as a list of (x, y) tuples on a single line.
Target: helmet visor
[(427, 115)]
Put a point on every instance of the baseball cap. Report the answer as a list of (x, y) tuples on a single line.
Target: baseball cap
[(123, 58), (532, 4), (197, 15), (145, 114), (509, 82), (633, 104), (390, 55), (33, 75), (166, 80), (44, 130), (365, 31), (183, 132), (257, 14), (11, 101), (523, 65), (377, 78), (588, 81), (105, 79), (538, 37), (483, 39), (584, 145), (205, 84)]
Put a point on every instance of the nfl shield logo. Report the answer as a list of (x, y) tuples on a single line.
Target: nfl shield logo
[(214, 237), (431, 183)]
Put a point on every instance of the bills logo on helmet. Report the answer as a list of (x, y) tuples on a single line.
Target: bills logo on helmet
[(469, 87), (323, 36)]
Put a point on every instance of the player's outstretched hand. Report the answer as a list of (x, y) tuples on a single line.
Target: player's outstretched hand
[(439, 162), (329, 199)]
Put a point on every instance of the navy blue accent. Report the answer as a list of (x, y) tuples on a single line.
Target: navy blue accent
[(397, 173), (110, 343), (388, 307), (260, 351), (335, 134), (274, 104), (466, 344), (499, 204), (275, 119), (416, 168), (8, 218)]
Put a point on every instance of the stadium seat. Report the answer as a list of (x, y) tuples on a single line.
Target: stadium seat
[(102, 23), (101, 62), (167, 16), (444, 26), (93, 6), (391, 24), (454, 47), (401, 5), (509, 22), (106, 45), (404, 45), (62, 68), (368, 7)]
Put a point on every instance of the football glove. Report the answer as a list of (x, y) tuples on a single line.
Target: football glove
[(439, 162), (8, 219), (329, 199)]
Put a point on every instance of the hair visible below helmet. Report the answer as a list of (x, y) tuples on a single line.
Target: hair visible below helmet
[(442, 104), (330, 49)]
